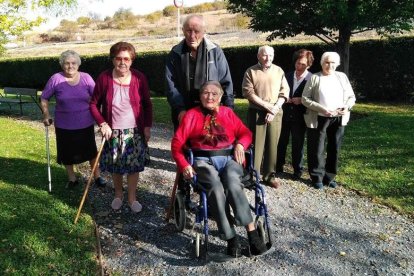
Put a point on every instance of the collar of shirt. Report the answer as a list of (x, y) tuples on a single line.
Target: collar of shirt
[(263, 67), (296, 81), (301, 77)]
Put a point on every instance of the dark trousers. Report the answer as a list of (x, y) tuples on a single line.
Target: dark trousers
[(225, 189), (331, 131), (297, 130)]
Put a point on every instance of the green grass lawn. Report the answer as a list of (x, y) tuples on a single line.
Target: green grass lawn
[(378, 154), (37, 233)]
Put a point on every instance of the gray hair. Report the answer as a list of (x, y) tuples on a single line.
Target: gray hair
[(199, 17), (215, 83), (69, 53), (333, 55), (265, 48)]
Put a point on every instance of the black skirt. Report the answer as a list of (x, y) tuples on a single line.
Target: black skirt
[(75, 146)]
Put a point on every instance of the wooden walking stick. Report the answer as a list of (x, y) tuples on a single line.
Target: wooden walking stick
[(90, 179), (168, 215)]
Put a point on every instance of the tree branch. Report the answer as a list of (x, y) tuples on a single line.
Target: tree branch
[(329, 38), (327, 41), (361, 31)]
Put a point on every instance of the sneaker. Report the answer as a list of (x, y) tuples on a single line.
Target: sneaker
[(332, 184), (257, 246), (100, 182), (318, 185), (136, 207), (233, 247), (72, 184), (116, 204)]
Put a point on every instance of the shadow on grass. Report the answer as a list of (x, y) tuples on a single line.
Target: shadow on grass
[(37, 227), (24, 172)]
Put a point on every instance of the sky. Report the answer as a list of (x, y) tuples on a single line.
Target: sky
[(105, 8)]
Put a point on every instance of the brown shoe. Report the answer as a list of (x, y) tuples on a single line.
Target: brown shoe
[(273, 182)]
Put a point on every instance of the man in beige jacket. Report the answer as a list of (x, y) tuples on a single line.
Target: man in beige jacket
[(266, 88)]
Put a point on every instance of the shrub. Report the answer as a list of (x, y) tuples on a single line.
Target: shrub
[(83, 20), (153, 17), (169, 11), (379, 69)]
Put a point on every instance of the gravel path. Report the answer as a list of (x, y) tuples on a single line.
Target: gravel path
[(329, 232)]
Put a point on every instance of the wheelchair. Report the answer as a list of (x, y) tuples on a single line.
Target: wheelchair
[(183, 205)]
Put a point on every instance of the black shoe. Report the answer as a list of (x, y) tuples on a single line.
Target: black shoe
[(332, 184), (233, 247), (72, 184), (318, 185), (99, 182), (297, 175), (257, 246)]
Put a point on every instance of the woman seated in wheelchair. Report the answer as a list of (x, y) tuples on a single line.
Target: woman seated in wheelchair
[(218, 139)]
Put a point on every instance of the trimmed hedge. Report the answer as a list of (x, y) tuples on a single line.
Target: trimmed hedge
[(379, 69)]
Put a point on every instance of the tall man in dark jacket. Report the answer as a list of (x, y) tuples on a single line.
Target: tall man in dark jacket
[(190, 64)]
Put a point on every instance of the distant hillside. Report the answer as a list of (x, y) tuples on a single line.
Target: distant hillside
[(145, 35)]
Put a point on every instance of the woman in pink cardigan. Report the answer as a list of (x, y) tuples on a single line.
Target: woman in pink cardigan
[(122, 107), (218, 139)]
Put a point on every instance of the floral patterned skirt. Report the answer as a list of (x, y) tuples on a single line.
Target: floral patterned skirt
[(124, 152)]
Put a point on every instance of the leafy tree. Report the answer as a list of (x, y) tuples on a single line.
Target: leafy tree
[(83, 20), (13, 21), (332, 21), (169, 11), (68, 27)]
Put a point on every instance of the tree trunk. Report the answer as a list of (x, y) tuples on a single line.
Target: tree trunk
[(343, 49)]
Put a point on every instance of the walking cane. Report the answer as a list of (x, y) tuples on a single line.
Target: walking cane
[(90, 179), (49, 175), (168, 215)]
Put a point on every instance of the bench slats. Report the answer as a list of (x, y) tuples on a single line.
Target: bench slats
[(19, 92)]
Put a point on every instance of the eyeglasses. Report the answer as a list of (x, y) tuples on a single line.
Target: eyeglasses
[(125, 59)]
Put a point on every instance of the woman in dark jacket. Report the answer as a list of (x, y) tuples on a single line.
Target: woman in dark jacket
[(293, 123)]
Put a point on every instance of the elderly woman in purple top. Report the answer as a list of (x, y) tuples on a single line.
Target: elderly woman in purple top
[(74, 124)]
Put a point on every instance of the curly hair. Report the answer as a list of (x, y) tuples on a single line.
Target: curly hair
[(122, 46)]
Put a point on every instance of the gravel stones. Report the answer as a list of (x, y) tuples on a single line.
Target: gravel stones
[(315, 232)]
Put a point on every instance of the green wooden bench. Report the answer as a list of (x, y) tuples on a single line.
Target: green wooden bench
[(20, 96)]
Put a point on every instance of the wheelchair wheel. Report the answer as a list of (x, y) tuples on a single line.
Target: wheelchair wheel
[(261, 230), (179, 211)]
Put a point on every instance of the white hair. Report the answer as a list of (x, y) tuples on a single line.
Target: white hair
[(67, 54), (200, 18), (333, 55), (266, 48)]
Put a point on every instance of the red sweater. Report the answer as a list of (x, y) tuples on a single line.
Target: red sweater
[(138, 93), (192, 131)]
